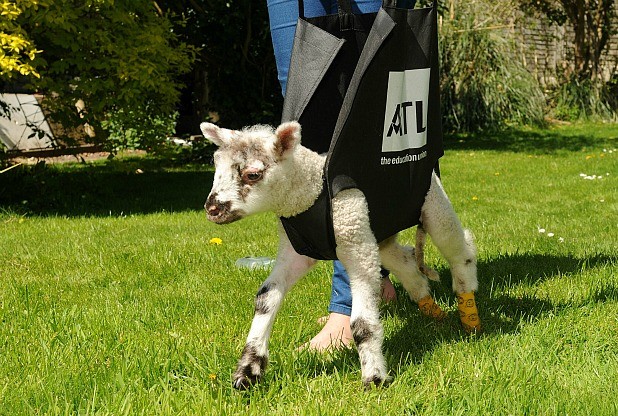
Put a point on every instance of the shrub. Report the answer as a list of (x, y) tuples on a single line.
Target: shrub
[(140, 129), (585, 99), (482, 85)]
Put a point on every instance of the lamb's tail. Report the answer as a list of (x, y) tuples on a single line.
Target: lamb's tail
[(419, 252)]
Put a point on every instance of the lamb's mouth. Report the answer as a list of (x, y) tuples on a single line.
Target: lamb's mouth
[(225, 217)]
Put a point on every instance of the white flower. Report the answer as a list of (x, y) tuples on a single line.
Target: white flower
[(541, 230), (550, 234), (591, 177), (561, 240)]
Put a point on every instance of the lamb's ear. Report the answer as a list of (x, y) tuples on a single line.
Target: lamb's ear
[(288, 137), (216, 134)]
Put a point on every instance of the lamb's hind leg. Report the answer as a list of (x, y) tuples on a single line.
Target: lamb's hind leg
[(358, 251), (401, 261), (289, 267), (457, 246)]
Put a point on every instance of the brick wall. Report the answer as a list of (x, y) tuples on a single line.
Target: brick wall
[(547, 49)]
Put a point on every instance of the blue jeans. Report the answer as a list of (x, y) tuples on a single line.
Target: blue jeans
[(341, 294), (283, 15)]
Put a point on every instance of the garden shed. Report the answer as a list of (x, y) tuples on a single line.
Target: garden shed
[(24, 126)]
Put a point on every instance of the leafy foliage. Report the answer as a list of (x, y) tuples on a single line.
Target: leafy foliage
[(122, 58), (234, 78), (16, 49), (584, 99), (138, 129)]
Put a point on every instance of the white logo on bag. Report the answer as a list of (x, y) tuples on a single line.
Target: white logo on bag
[(405, 118)]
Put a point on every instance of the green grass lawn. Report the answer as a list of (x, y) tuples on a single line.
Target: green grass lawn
[(114, 301)]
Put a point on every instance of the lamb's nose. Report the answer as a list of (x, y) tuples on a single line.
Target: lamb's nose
[(212, 206), (212, 210)]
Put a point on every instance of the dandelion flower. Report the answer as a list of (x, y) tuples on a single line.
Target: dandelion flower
[(216, 240), (475, 198), (213, 377)]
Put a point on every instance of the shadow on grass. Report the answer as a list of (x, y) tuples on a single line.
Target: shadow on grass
[(538, 141), (113, 188), (501, 314)]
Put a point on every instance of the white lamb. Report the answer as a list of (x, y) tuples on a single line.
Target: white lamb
[(261, 169)]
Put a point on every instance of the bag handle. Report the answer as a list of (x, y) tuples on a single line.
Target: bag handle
[(393, 3), (343, 7)]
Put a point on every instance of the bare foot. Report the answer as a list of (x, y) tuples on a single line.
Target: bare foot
[(388, 295), (388, 291), (336, 333)]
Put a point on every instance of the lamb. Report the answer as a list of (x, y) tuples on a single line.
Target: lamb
[(262, 169)]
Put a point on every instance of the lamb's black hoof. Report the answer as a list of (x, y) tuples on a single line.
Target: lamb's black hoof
[(244, 383), (250, 368), (377, 381)]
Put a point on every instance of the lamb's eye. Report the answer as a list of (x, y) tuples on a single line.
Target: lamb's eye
[(251, 176)]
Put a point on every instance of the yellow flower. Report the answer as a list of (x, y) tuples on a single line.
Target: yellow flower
[(475, 198), (216, 240), (213, 377)]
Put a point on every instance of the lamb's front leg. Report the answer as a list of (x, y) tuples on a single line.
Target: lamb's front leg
[(289, 267), (358, 251)]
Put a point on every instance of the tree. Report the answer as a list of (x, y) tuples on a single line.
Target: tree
[(121, 58), (593, 25)]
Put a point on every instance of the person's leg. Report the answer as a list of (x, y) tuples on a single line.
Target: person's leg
[(283, 15), (336, 331), (388, 290)]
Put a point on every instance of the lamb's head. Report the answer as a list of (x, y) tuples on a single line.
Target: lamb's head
[(248, 163)]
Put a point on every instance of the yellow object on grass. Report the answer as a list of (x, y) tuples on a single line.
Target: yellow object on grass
[(430, 308), (468, 313)]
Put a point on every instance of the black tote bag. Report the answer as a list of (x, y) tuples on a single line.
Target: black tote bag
[(365, 88)]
